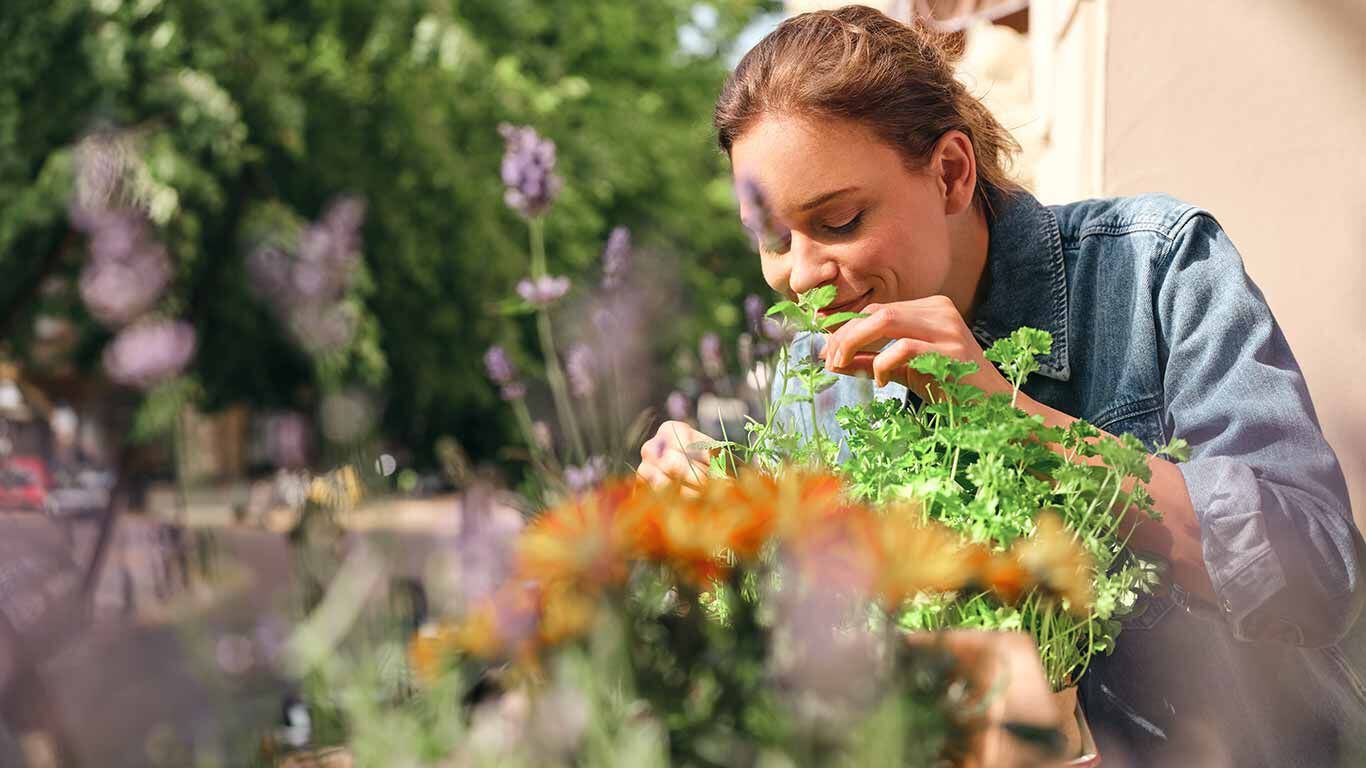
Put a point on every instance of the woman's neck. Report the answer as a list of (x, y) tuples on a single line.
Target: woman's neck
[(969, 239)]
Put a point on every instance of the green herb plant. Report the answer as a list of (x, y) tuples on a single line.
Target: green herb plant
[(979, 464)]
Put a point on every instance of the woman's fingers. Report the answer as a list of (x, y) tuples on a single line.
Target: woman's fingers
[(890, 363), (855, 335), (669, 457)]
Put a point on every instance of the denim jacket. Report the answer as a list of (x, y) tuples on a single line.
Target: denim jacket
[(1159, 332)]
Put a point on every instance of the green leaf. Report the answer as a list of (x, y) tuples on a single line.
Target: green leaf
[(840, 317), (817, 298), (780, 308)]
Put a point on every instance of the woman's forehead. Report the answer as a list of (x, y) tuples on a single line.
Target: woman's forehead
[(795, 160)]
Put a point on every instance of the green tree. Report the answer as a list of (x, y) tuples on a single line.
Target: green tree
[(254, 110)]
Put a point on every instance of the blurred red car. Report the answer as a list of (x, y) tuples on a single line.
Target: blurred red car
[(24, 483)]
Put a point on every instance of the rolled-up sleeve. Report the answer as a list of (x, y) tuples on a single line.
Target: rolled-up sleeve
[(1276, 526)]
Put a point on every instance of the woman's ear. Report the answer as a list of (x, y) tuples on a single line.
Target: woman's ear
[(955, 165)]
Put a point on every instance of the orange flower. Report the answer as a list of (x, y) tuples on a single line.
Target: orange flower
[(589, 541), (1054, 558), (918, 557), (502, 625), (802, 499), (565, 615), (429, 649)]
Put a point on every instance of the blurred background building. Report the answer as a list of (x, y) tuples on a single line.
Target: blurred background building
[(1255, 111)]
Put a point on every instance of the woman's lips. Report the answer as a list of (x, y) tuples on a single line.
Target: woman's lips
[(848, 306)]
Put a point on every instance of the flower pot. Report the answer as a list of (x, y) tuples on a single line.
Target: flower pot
[(1006, 670), (1080, 745)]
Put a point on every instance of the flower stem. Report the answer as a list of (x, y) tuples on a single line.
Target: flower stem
[(554, 374)]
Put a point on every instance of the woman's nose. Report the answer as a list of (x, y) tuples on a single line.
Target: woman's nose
[(811, 268)]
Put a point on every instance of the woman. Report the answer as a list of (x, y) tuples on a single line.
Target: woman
[(892, 181)]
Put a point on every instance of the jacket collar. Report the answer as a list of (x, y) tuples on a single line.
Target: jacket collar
[(1028, 279)]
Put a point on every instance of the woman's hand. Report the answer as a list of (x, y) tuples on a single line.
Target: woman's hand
[(669, 457), (932, 324)]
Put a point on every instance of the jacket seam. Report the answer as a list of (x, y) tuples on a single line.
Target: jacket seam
[(1128, 409)]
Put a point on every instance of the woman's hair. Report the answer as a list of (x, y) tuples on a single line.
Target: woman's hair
[(858, 64)]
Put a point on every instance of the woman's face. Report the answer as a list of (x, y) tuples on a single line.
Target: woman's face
[(860, 220)]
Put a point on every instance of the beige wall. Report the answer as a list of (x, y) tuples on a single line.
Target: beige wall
[(1257, 111)]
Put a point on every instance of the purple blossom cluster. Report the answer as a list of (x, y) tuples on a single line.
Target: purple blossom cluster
[(759, 218), (579, 369), (504, 373), (528, 170), (616, 258), (127, 273), (128, 270), (307, 287), (585, 477), (543, 291), (678, 406), (709, 350), (149, 352), (769, 331), (485, 545)]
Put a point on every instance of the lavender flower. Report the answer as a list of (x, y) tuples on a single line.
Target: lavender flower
[(149, 353), (709, 349), (528, 170), (499, 365), (543, 291), (616, 258), (587, 476), (484, 547), (515, 390), (503, 373), (677, 406), (764, 327), (579, 365), (771, 232)]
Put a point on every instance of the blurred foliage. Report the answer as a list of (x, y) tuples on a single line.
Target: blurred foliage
[(235, 108)]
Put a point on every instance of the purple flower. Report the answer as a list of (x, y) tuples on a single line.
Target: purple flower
[(709, 349), (504, 373), (616, 258), (744, 352), (528, 170), (128, 269), (579, 365), (328, 252), (307, 285), (117, 291), (149, 353), (763, 326), (677, 406), (587, 476), (485, 544), (543, 291), (321, 327), (771, 232), (499, 366), (288, 439), (515, 390)]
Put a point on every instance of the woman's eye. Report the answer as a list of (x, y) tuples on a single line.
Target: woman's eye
[(846, 227)]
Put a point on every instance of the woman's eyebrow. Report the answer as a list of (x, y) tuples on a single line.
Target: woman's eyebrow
[(823, 198)]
